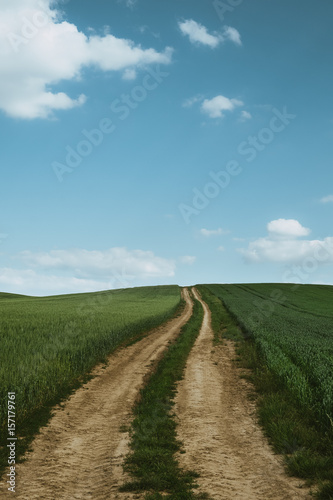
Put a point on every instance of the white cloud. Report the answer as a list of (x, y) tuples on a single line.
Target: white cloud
[(221, 248), (188, 259), (78, 270), (129, 74), (327, 199), (198, 34), (215, 107), (213, 232), (287, 228), (245, 116), (232, 34), (39, 49), (188, 103), (31, 282), (283, 245), (92, 263)]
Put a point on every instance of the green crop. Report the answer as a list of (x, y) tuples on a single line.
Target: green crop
[(292, 328), (49, 343)]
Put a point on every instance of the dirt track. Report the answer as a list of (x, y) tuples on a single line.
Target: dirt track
[(79, 454), (217, 425)]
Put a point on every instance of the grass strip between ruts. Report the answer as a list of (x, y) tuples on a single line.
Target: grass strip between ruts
[(152, 462)]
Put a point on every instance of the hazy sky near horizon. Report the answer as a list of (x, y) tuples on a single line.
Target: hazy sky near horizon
[(148, 142)]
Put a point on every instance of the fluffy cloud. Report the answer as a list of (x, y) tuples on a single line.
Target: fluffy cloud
[(245, 116), (88, 263), (215, 107), (232, 34), (188, 103), (283, 245), (327, 199), (31, 282), (212, 232), (287, 228), (39, 49), (198, 34), (79, 270)]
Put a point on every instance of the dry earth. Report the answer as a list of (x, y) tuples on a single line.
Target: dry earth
[(79, 454), (218, 427)]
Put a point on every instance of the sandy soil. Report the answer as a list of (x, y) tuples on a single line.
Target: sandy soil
[(218, 427), (79, 454)]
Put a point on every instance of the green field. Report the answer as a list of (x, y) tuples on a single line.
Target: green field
[(284, 335), (283, 332), (48, 343), (292, 328)]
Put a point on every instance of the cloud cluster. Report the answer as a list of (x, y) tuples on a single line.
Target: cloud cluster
[(31, 282), (283, 244), (199, 35), (79, 270), (92, 263), (38, 49)]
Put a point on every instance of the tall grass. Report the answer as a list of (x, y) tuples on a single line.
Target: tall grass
[(49, 343), (288, 345)]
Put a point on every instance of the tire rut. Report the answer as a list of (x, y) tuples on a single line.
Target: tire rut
[(217, 423), (79, 454)]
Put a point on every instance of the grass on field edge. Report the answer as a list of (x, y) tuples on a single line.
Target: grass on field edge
[(151, 461), (306, 446), (31, 426)]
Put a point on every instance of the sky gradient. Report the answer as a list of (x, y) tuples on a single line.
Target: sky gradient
[(150, 142)]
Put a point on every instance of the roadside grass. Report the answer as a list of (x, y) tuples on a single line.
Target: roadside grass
[(48, 369), (292, 430), (152, 462)]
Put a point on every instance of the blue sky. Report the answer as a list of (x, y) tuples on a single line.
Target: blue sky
[(150, 142)]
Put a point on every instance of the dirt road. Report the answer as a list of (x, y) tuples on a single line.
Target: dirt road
[(79, 454), (217, 425)]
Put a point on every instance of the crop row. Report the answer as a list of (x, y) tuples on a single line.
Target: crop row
[(49, 343), (292, 328)]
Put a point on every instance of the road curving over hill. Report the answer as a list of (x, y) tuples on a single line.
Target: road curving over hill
[(217, 425), (79, 454)]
